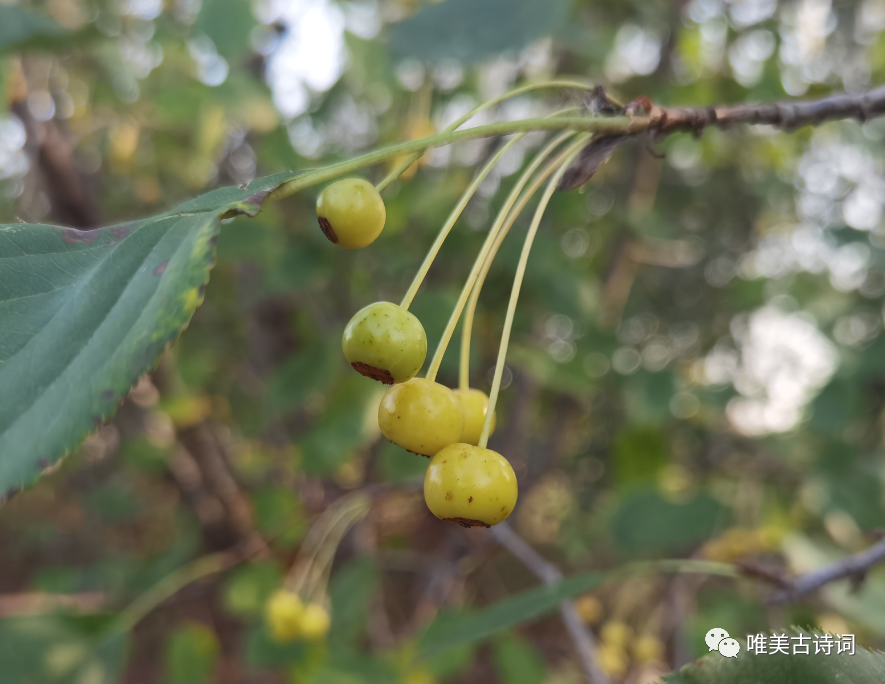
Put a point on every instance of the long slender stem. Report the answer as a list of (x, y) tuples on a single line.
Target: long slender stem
[(332, 519), (411, 159), (453, 217), (569, 156), (600, 124), (480, 259), (506, 216)]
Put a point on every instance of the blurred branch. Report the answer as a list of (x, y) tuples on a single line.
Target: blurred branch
[(548, 573), (854, 567), (26, 604)]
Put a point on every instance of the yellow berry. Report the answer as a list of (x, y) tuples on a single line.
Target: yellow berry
[(470, 486), (616, 633), (648, 648), (351, 213), (283, 614), (613, 660), (421, 416), (385, 342), (315, 622), (589, 608), (475, 404)]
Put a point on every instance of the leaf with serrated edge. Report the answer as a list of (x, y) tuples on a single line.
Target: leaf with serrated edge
[(83, 314), (864, 667)]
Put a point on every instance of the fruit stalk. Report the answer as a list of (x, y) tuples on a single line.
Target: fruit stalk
[(597, 124), (480, 259), (569, 156), (411, 159), (453, 217)]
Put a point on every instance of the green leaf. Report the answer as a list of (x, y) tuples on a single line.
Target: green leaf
[(351, 592), (864, 667), (518, 661), (58, 649), (191, 655), (21, 28), (228, 23), (471, 30), (83, 314), (647, 523), (458, 630)]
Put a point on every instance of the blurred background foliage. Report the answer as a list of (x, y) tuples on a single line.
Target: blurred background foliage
[(696, 369)]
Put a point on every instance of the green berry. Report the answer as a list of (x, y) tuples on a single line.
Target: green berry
[(475, 404), (421, 416), (385, 342), (315, 622), (351, 213), (469, 485)]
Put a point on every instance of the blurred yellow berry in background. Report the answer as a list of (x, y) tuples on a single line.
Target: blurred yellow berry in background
[(283, 615), (616, 633), (315, 622), (590, 609), (613, 660), (647, 648)]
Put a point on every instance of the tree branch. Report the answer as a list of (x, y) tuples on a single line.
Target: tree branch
[(854, 567), (548, 573), (647, 117)]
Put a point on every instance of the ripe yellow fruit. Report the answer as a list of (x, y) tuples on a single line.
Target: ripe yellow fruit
[(283, 614), (613, 660), (351, 213), (616, 633), (315, 622), (470, 486), (421, 416), (475, 404), (589, 608), (385, 342), (647, 648)]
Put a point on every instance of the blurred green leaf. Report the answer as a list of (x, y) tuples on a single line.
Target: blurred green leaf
[(342, 427), (83, 314), (351, 591), (457, 630), (59, 649), (398, 465), (470, 30), (639, 454), (20, 28), (249, 586), (310, 370), (646, 523), (279, 515), (229, 24), (518, 661), (864, 667), (192, 654)]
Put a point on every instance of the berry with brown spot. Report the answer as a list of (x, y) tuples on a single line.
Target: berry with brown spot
[(385, 342), (351, 213)]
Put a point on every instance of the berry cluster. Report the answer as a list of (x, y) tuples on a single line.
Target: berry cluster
[(289, 619), (465, 482)]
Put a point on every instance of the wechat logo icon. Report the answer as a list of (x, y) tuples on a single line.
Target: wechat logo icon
[(718, 640)]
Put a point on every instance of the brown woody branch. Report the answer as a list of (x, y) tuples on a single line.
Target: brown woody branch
[(851, 567), (548, 573), (660, 121)]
